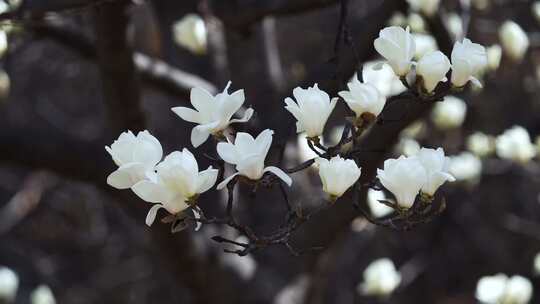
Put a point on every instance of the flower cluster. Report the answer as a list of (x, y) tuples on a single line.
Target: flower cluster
[(500, 289)]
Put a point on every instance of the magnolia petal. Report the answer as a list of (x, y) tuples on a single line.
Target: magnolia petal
[(187, 114), (201, 100), (197, 216), (228, 152), (207, 179), (476, 82), (200, 133), (226, 181), (126, 176), (279, 173), (151, 216), (150, 192), (247, 116)]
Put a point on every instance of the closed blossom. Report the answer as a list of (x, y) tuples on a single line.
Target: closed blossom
[(514, 40), (212, 113), (135, 156), (515, 144), (248, 155), (397, 46), (450, 113), (433, 68), (190, 33), (337, 174), (404, 177), (468, 59), (311, 109), (363, 98), (177, 184), (436, 165)]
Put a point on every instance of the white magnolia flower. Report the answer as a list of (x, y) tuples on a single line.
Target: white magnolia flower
[(468, 59), (380, 278), (377, 208), (363, 98), (481, 144), (494, 55), (417, 23), (382, 77), (433, 68), (397, 19), (407, 146), (311, 109), (424, 44), (190, 33), (514, 40), (135, 156), (427, 7), (396, 45), (536, 10), (515, 144), (436, 166), (42, 295), (178, 182), (248, 154), (465, 166), (537, 264), (449, 113), (213, 113), (403, 177), (9, 283), (337, 174), (499, 289), (454, 24)]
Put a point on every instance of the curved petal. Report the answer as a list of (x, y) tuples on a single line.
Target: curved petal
[(228, 152), (147, 152), (279, 173), (264, 141), (201, 100), (150, 192), (200, 133), (197, 216), (231, 104), (151, 216), (226, 181), (247, 116), (206, 179), (187, 114), (126, 176)]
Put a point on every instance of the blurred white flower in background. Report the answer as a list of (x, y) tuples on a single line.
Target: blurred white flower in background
[(244, 266), (248, 155), (433, 68), (536, 265), (416, 23), (468, 60), (136, 158), (337, 175), (465, 167), (190, 33), (397, 19), (414, 130), (363, 98), (396, 45), (515, 144), (377, 208), (212, 113), (535, 8), (403, 177), (500, 289), (514, 40), (9, 283), (494, 55), (311, 109), (427, 7), (304, 151), (407, 146), (42, 295), (454, 24), (480, 4), (481, 144), (450, 113), (424, 44), (380, 279), (383, 79)]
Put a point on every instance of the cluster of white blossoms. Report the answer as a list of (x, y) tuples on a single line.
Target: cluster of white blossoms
[(398, 47), (500, 289), (515, 144), (380, 279), (406, 177)]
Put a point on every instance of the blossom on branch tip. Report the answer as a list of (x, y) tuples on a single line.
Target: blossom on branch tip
[(311, 109), (436, 165), (135, 156), (248, 155), (468, 59), (212, 113), (176, 185), (433, 68), (363, 98), (337, 174), (397, 46)]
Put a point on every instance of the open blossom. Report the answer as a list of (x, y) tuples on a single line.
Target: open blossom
[(514, 40), (436, 165), (190, 32), (450, 113), (427, 7), (500, 289), (311, 109), (135, 156), (433, 68), (515, 144), (9, 283), (363, 98), (248, 154), (404, 177), (468, 59), (380, 278), (212, 113), (397, 46), (337, 174), (177, 183)]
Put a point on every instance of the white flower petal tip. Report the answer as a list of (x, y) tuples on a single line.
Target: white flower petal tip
[(311, 109), (397, 46)]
